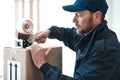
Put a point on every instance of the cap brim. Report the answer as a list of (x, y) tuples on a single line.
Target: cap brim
[(72, 8)]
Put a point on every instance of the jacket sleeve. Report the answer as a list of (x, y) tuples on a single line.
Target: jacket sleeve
[(67, 35), (102, 64), (53, 73)]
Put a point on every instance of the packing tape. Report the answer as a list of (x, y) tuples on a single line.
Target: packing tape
[(25, 26)]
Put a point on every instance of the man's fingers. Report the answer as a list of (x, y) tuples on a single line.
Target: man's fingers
[(48, 51), (28, 48)]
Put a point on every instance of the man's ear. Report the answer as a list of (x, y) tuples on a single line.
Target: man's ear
[(98, 15)]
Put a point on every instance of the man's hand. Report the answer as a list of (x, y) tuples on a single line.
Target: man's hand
[(41, 36), (38, 54)]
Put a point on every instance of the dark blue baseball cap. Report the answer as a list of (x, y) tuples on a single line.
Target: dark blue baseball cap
[(92, 5)]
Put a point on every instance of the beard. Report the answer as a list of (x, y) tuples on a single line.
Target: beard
[(88, 28)]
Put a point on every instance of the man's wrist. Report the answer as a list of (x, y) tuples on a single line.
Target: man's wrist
[(44, 68), (52, 30), (40, 65)]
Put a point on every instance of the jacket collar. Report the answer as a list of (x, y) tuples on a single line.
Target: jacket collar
[(85, 42)]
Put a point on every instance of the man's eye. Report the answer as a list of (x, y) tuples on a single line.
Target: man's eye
[(78, 14)]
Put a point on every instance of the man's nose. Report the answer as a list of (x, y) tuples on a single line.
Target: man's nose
[(74, 19)]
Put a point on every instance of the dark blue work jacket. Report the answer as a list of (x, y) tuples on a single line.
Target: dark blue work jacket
[(97, 54)]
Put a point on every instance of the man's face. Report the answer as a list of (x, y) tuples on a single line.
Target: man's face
[(84, 21)]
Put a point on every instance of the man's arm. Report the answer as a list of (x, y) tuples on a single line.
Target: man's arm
[(68, 36), (53, 73)]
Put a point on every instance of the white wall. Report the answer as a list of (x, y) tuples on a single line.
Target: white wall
[(116, 17), (7, 30), (113, 16)]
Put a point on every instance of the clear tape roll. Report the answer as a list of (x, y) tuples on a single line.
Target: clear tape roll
[(25, 26)]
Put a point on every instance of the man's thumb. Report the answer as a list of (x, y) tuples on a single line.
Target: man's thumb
[(48, 51)]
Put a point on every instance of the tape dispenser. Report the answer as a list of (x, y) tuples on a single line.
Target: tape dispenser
[(25, 33)]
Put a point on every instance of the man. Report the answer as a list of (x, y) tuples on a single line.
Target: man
[(97, 47)]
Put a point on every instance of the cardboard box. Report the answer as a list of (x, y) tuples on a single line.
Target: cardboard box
[(18, 64)]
